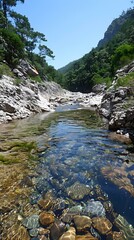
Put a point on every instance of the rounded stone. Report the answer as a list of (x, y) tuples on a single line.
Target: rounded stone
[(69, 235), (46, 218), (82, 223), (31, 222), (102, 225), (45, 204)]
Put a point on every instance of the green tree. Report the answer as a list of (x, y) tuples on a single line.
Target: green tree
[(6, 6)]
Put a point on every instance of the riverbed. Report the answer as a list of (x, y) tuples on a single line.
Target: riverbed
[(67, 161)]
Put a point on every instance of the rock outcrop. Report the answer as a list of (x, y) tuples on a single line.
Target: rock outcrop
[(20, 99), (118, 104)]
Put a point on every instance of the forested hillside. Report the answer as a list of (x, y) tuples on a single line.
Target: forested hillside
[(99, 66), (18, 40)]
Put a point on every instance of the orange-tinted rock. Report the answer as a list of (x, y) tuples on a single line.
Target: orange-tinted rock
[(115, 236), (82, 223), (69, 235), (46, 218), (45, 204), (102, 225), (85, 237)]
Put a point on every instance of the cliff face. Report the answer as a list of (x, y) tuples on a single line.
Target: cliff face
[(19, 101)]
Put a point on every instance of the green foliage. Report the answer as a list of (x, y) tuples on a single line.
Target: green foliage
[(13, 47), (128, 80), (5, 70), (122, 55), (101, 63)]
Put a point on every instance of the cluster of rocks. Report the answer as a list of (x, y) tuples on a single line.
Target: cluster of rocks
[(56, 221), (20, 99), (117, 105)]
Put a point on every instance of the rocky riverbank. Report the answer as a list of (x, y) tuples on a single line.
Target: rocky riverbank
[(117, 105), (18, 101)]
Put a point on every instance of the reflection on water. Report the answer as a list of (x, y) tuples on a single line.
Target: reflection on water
[(79, 169)]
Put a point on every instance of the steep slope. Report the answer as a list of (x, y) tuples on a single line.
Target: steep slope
[(100, 65)]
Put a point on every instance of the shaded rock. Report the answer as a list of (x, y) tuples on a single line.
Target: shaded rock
[(46, 218), (82, 223), (125, 227), (78, 191), (69, 235), (102, 225), (45, 204), (31, 222), (115, 236), (99, 88), (59, 205), (57, 229)]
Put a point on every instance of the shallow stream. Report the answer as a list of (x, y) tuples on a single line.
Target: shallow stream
[(78, 163)]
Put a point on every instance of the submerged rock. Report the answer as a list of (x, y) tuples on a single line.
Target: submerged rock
[(86, 237), (124, 226), (78, 191), (95, 208), (31, 222), (82, 223), (116, 236), (69, 235), (46, 218), (102, 225), (57, 229)]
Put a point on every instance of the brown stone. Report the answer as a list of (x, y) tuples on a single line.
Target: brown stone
[(82, 223), (21, 234), (45, 204), (102, 225), (115, 236), (86, 237), (46, 218), (69, 235)]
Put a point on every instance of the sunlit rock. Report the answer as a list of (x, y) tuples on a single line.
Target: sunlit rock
[(82, 223), (102, 225), (78, 191), (69, 235)]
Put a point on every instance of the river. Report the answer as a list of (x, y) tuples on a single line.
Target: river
[(76, 165)]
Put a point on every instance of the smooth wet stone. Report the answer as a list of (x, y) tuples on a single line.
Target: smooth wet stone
[(85, 237), (69, 235), (46, 218), (123, 225), (102, 225), (45, 204), (31, 222), (82, 223), (78, 191), (57, 229), (22, 234), (33, 232), (95, 208), (76, 209), (116, 236)]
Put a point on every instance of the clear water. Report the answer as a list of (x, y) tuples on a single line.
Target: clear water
[(80, 150)]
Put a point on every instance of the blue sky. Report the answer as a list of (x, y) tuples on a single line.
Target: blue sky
[(72, 27)]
